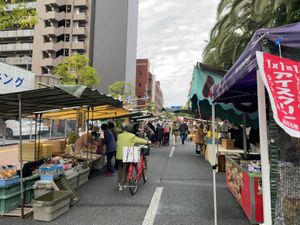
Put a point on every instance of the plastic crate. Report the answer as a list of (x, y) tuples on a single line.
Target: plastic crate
[(28, 195), (30, 181), (9, 190), (83, 176), (11, 181), (51, 205), (73, 179), (9, 203), (50, 177)]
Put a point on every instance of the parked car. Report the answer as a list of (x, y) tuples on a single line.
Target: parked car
[(13, 128)]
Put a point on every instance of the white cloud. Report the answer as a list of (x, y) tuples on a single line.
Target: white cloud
[(172, 36)]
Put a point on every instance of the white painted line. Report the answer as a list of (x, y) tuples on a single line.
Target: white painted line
[(152, 210), (172, 152)]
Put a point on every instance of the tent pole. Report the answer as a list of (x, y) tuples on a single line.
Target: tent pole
[(265, 166), (40, 125), (35, 132), (50, 129), (88, 120), (244, 133), (21, 155), (92, 130), (30, 134), (214, 167), (66, 124)]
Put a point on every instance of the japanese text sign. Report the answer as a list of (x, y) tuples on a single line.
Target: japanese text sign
[(15, 79), (281, 77)]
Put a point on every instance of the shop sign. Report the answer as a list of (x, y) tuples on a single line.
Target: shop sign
[(281, 77), (15, 79)]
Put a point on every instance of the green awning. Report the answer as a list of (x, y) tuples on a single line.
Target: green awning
[(49, 98)]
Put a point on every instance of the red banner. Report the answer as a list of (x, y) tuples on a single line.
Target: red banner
[(282, 79)]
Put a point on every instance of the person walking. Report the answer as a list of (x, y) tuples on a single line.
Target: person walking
[(112, 128), (126, 139), (159, 134), (199, 139), (111, 147), (175, 131), (183, 129)]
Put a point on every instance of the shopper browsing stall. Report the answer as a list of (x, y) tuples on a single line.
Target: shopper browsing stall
[(111, 147)]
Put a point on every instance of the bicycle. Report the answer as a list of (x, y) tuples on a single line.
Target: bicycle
[(136, 171)]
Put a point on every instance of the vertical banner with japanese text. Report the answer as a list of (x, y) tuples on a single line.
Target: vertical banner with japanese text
[(282, 79)]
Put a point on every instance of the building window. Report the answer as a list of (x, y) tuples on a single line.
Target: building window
[(140, 84), (141, 73), (69, 8)]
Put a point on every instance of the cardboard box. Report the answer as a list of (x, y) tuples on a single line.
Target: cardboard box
[(228, 143)]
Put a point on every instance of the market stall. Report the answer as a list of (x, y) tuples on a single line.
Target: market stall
[(18, 105), (244, 84)]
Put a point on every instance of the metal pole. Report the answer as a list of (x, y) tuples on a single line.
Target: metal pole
[(244, 133), (21, 156), (92, 130), (87, 139), (40, 124), (264, 151), (66, 123), (35, 132), (30, 134), (50, 135), (214, 167)]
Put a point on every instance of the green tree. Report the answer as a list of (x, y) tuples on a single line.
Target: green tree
[(75, 70), (151, 106), (121, 89), (19, 16), (237, 20)]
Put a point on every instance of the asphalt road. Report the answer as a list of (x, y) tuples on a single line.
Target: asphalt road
[(187, 197)]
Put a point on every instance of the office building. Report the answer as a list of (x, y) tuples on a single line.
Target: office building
[(159, 98), (144, 82), (104, 30)]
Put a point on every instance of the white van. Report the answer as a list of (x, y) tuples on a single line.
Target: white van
[(13, 128)]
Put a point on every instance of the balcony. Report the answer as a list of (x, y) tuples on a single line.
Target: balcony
[(52, 61), (16, 47), (53, 15), (53, 30), (54, 2), (11, 7), (51, 46), (79, 31), (81, 3), (79, 46), (17, 60), (80, 17), (16, 33)]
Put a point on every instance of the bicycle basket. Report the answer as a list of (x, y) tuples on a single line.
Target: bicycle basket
[(145, 150)]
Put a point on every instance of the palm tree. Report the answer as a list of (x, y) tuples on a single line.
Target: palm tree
[(237, 20)]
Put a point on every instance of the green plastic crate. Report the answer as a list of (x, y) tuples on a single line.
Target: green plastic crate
[(9, 190), (9, 203), (28, 195), (30, 181)]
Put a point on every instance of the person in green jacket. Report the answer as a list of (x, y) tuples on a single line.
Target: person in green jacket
[(125, 139)]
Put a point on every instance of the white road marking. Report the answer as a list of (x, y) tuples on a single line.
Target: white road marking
[(172, 152), (152, 210)]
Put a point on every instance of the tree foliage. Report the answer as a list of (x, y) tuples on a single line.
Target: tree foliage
[(19, 16), (237, 20), (75, 70), (121, 89)]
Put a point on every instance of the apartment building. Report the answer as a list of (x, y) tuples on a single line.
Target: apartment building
[(88, 27), (159, 97), (64, 28), (16, 45), (144, 82)]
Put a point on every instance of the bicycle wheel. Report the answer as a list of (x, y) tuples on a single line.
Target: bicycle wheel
[(145, 174), (133, 182)]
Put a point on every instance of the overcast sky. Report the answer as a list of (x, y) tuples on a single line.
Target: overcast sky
[(172, 35)]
